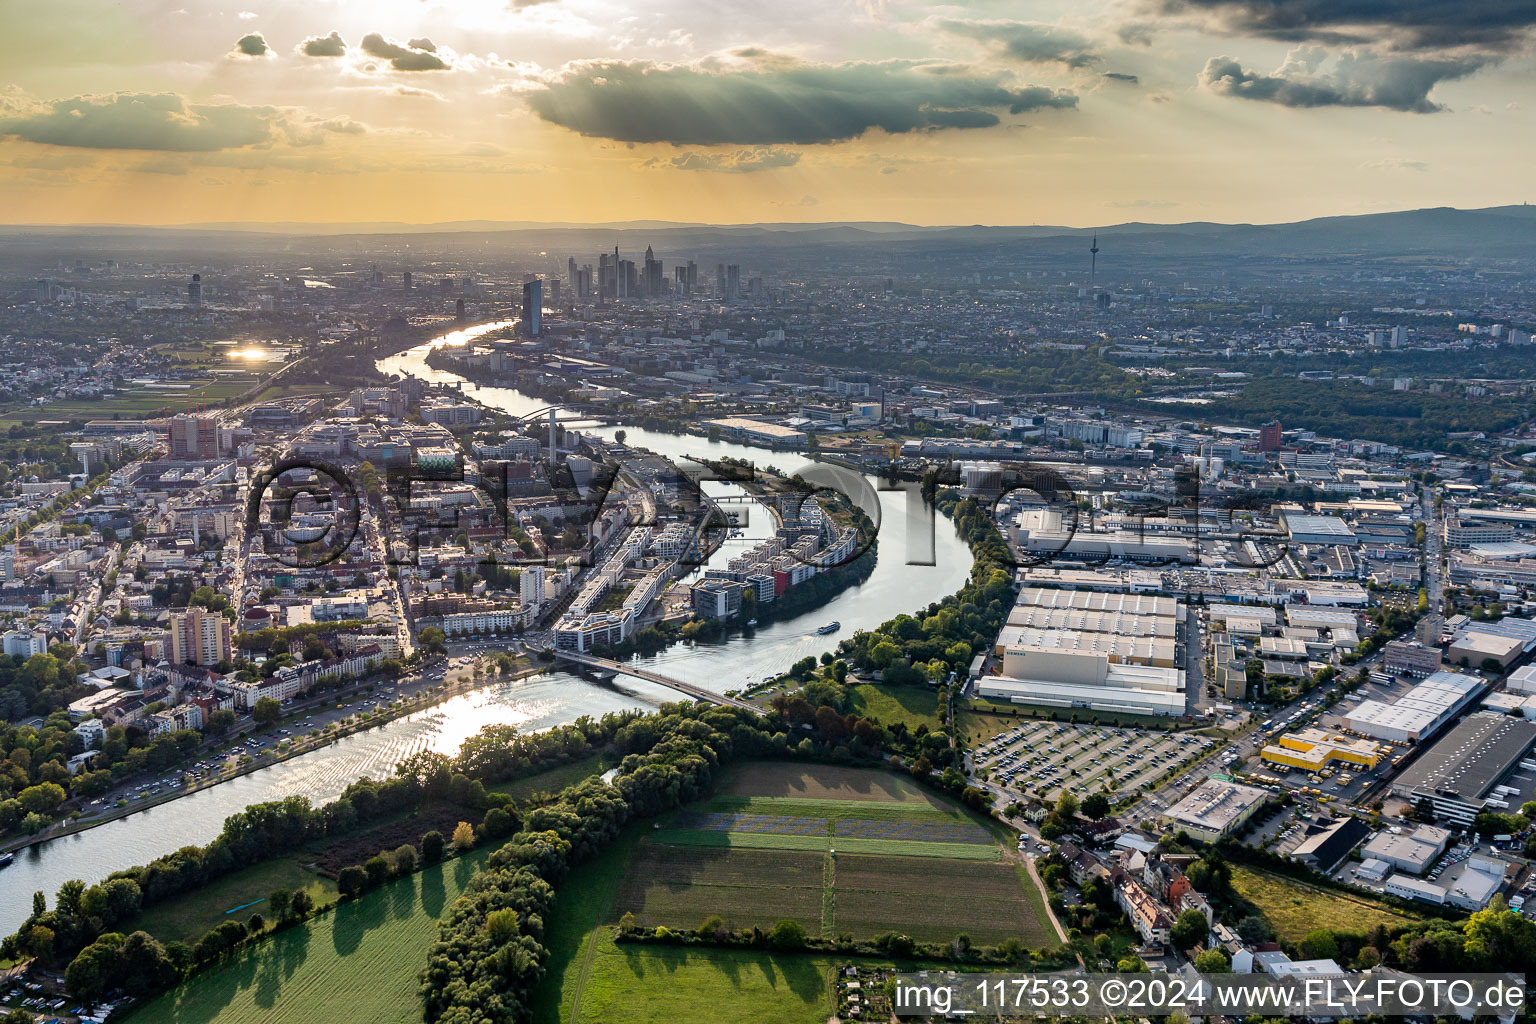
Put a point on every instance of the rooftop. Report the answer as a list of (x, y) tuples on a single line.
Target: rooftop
[(1472, 757)]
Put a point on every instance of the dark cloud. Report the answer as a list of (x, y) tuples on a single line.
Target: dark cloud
[(1403, 24), (252, 45), (1121, 78), (151, 121), (1358, 80), (324, 46), (779, 101), (423, 44), (403, 58), (742, 161), (1028, 41)]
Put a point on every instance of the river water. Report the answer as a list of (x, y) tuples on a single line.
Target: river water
[(555, 698)]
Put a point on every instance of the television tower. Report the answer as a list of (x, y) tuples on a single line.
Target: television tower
[(1093, 267)]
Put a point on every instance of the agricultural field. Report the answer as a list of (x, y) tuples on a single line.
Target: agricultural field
[(864, 865), (826, 782), (354, 965), (681, 886), (681, 876), (1294, 908), (187, 917)]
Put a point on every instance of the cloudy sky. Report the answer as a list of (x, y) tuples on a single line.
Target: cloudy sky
[(1032, 111)]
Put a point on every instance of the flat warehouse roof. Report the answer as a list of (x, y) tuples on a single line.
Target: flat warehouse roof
[(1472, 757), (1104, 698), (1088, 621)]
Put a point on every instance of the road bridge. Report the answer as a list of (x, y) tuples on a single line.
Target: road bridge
[(696, 692)]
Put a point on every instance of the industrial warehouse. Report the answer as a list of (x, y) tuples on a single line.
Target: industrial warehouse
[(1078, 649), (1460, 774), (1419, 713), (1314, 749)]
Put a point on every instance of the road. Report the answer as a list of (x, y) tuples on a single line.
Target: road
[(1434, 569)]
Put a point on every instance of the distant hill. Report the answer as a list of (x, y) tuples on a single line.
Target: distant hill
[(1500, 231)]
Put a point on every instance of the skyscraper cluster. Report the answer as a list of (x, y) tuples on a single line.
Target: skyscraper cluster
[(618, 278)]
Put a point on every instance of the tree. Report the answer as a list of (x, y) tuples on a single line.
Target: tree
[(40, 942), (1066, 807), (619, 436), (787, 934), (70, 897), (1320, 945), (280, 902), (300, 903), (267, 711), (1132, 965), (352, 881), (1253, 930), (1189, 930), (378, 869), (405, 859), (432, 847), (463, 836), (433, 639), (43, 798), (1212, 961), (1096, 805), (221, 721)]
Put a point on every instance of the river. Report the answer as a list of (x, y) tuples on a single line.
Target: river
[(542, 702)]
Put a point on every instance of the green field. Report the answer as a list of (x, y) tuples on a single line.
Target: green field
[(910, 705), (187, 917), (1295, 908), (660, 985), (356, 964)]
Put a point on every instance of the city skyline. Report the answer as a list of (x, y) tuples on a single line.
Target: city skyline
[(583, 111)]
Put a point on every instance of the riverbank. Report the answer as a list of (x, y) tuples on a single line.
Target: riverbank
[(917, 565), (267, 759)]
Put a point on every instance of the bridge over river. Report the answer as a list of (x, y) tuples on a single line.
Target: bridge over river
[(696, 692)]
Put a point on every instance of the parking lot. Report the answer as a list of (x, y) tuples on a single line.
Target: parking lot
[(1049, 757)]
